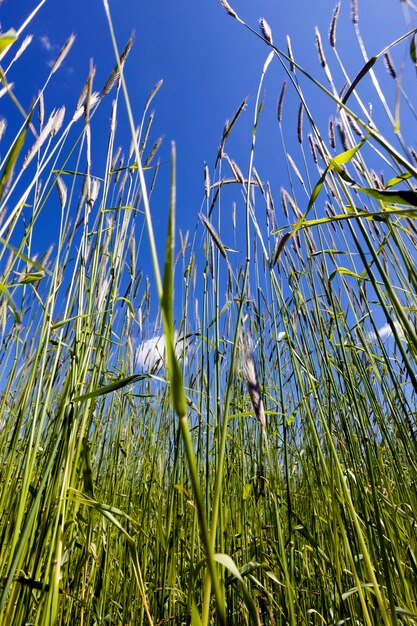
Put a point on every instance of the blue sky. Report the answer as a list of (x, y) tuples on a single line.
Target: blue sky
[(208, 63)]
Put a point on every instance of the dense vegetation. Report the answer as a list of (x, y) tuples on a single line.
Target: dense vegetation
[(268, 474)]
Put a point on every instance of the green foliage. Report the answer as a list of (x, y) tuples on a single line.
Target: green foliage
[(267, 474)]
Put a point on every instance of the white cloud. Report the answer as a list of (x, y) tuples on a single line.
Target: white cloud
[(46, 43), (150, 355), (385, 332)]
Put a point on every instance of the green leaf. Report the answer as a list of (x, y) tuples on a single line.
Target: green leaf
[(398, 179), (317, 189), (174, 371), (7, 38), (7, 173), (247, 489), (24, 258), (195, 615), (405, 196), (347, 156), (413, 50), (344, 270), (86, 468), (354, 590), (229, 564), (368, 65), (31, 277), (118, 384)]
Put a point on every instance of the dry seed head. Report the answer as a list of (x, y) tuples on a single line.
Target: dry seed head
[(63, 53), (290, 54), (270, 206), (147, 131), (51, 127), (312, 148), (153, 151), (82, 95), (258, 180), (332, 139), (211, 258), (354, 12), (214, 235), (252, 382), (377, 182), (25, 43), (62, 191), (390, 65), (132, 257), (82, 109), (266, 30), (236, 171), (114, 76), (41, 109), (116, 157), (284, 197), (281, 101), (153, 94), (94, 190), (3, 126), (206, 181), (342, 135), (333, 24), (320, 50), (228, 8), (354, 126), (293, 205), (300, 123), (319, 149), (58, 121), (295, 168)]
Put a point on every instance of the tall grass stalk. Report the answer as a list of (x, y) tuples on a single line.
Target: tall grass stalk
[(262, 469)]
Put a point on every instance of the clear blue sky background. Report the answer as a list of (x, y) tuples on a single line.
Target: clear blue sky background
[(208, 62)]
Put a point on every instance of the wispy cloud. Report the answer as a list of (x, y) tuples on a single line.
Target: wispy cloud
[(47, 44), (151, 354), (385, 332)]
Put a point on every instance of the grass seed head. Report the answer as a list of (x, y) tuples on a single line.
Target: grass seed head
[(290, 54), (300, 123), (249, 370), (320, 50), (389, 64), (333, 24), (3, 126), (266, 30), (332, 139), (41, 109), (354, 12), (281, 101), (312, 148), (63, 54), (62, 191), (25, 43), (228, 8), (206, 181)]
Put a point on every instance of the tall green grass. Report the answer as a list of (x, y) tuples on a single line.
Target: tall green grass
[(267, 476)]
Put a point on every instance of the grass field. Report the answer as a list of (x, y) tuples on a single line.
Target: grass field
[(264, 470)]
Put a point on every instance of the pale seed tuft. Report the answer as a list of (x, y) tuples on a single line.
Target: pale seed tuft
[(63, 53), (228, 8), (266, 30)]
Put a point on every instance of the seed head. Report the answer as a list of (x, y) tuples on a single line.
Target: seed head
[(266, 30)]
